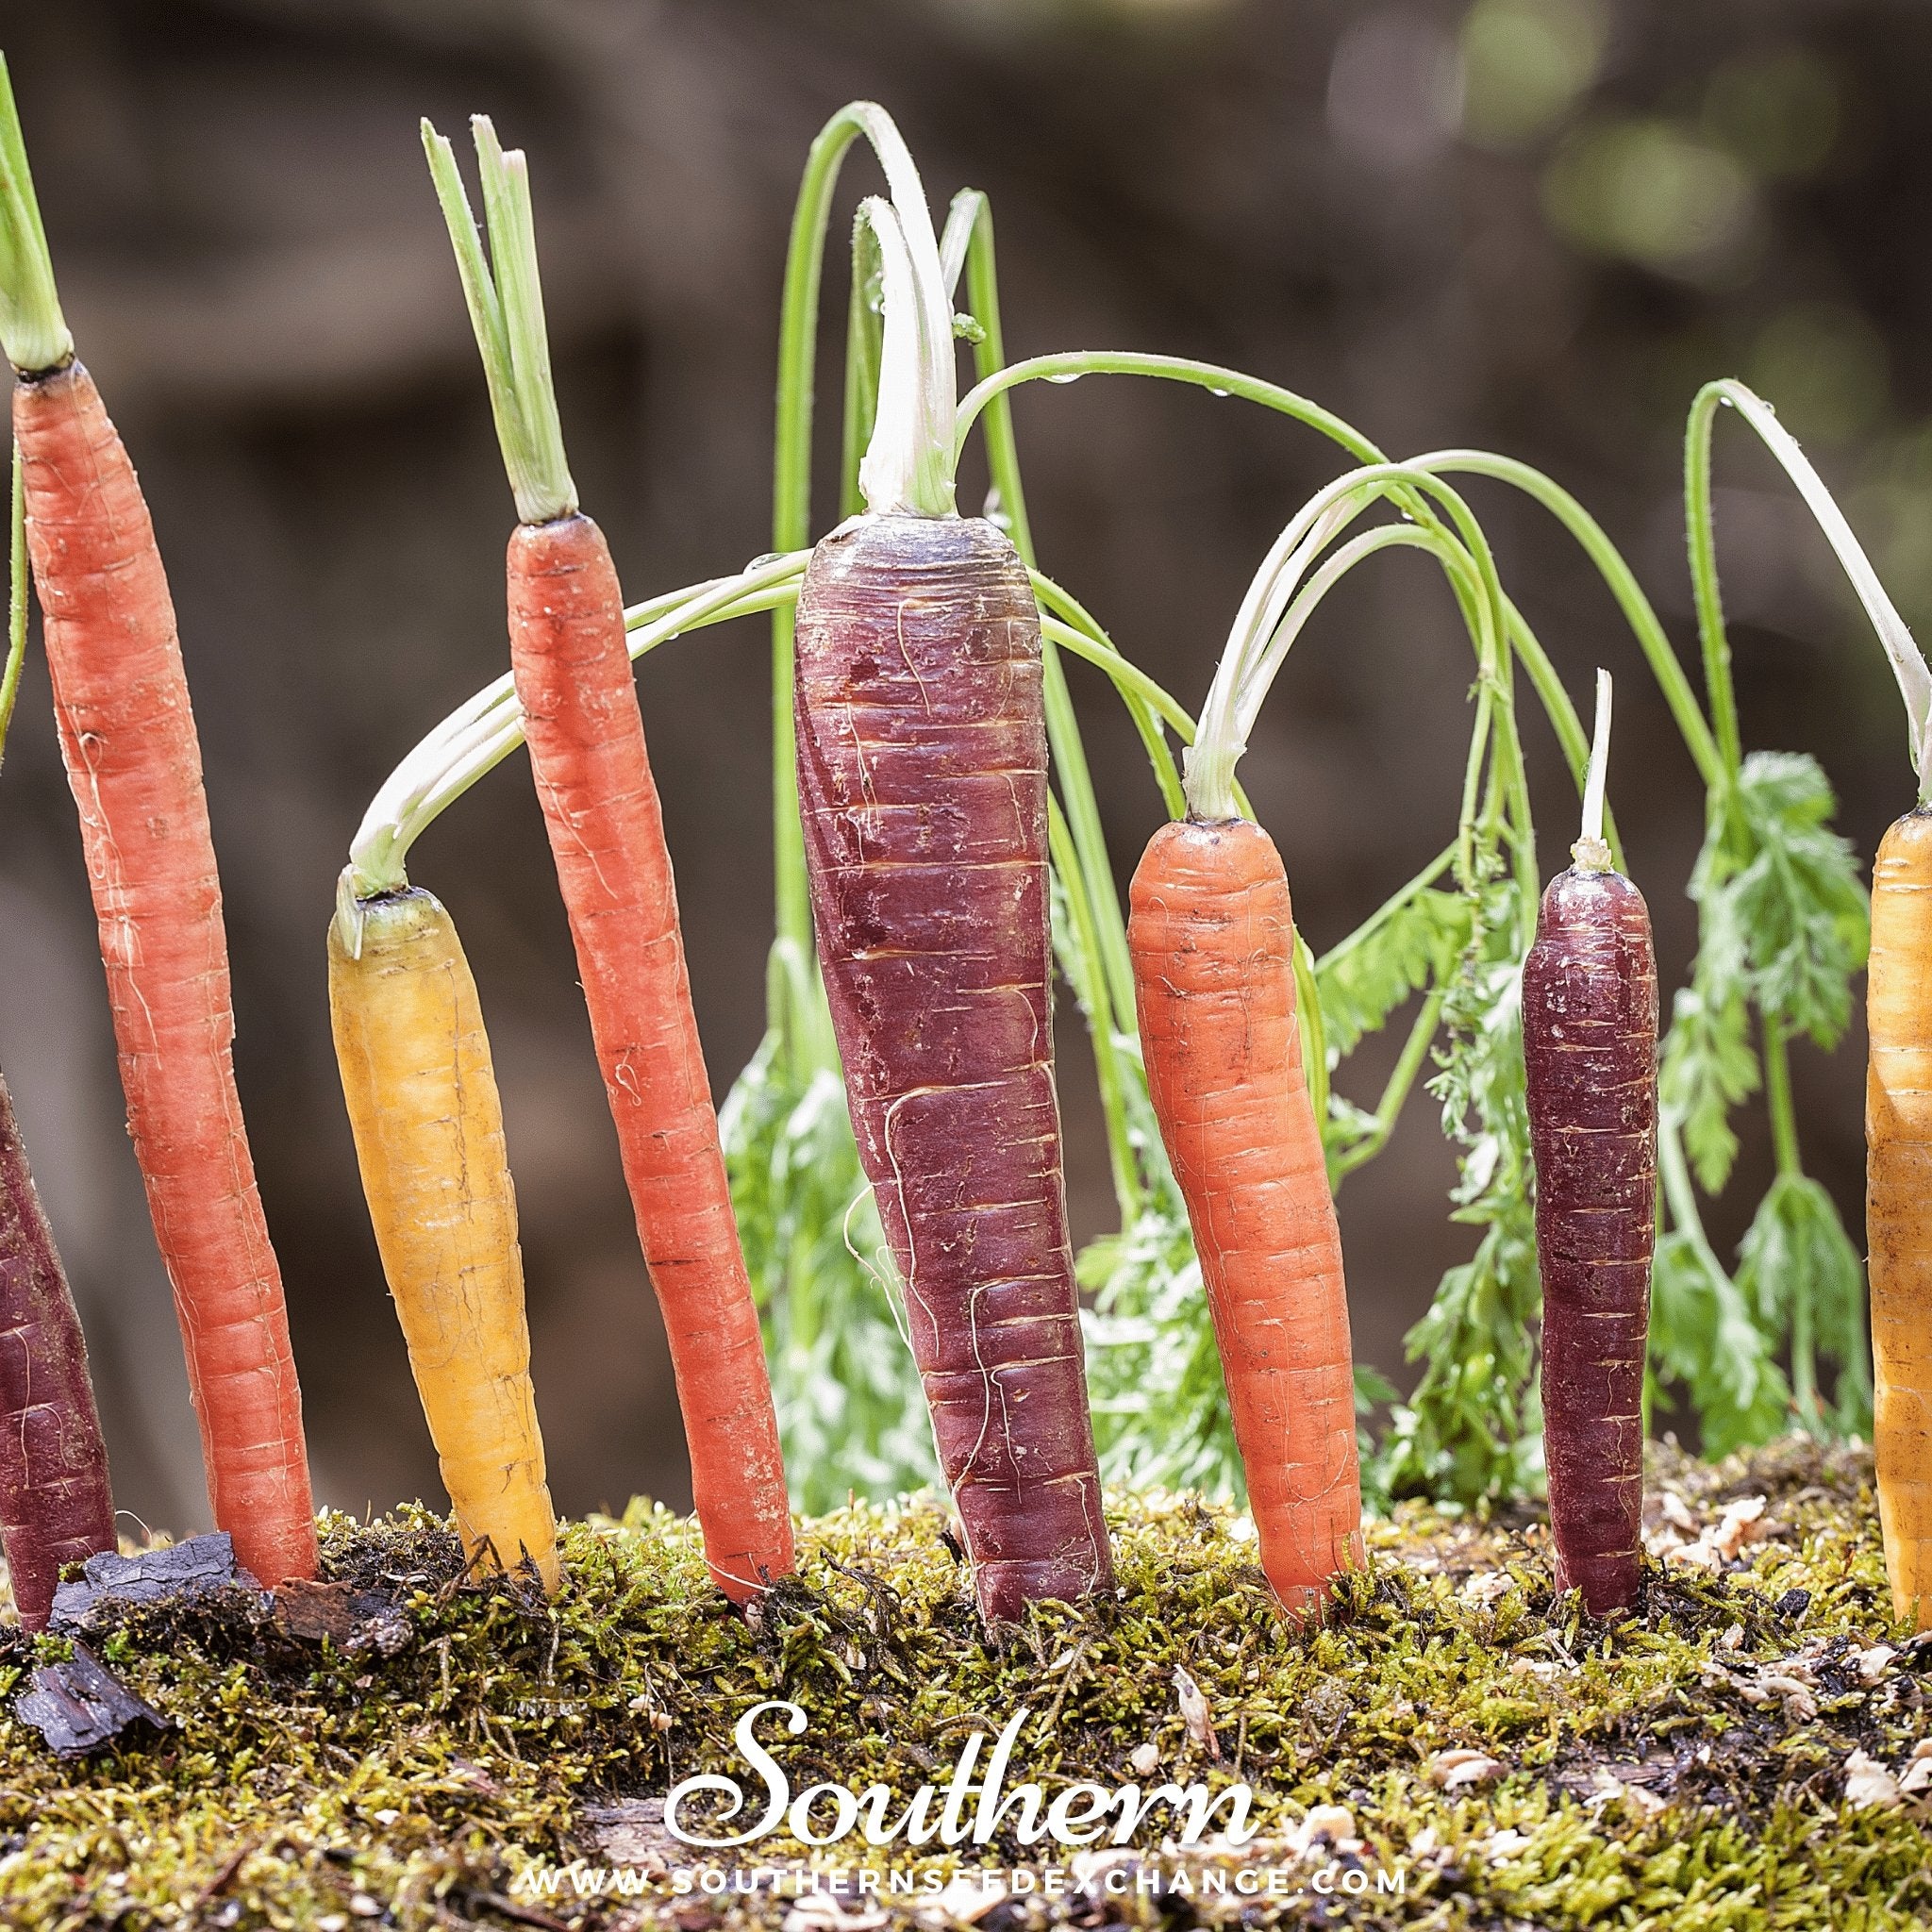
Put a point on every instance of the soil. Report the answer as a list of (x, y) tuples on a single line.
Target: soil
[(1458, 1745)]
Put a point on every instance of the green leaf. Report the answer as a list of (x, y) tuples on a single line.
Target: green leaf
[(1371, 973), (1796, 1260), (1804, 916), (1472, 1429), (1160, 1412), (1701, 1334), (1708, 1067), (851, 1412)]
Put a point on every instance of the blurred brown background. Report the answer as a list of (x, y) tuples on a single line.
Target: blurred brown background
[(1532, 225)]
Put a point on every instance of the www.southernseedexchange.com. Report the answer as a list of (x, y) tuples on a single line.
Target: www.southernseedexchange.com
[(579, 1879)]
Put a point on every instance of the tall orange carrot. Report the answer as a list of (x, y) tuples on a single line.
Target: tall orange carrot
[(571, 667), (128, 741), (1212, 939)]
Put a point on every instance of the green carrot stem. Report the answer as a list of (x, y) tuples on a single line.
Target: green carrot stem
[(1063, 732), (1908, 663), (33, 331), (1102, 1027), (1618, 577), (1395, 1092), (1701, 532), (1148, 705), (503, 292), (863, 342), (1777, 1098)]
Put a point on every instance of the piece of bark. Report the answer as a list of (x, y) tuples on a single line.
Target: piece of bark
[(79, 1706)]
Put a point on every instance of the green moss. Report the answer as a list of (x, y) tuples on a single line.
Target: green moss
[(300, 1785)]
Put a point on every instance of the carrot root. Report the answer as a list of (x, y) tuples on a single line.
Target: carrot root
[(607, 834), (134, 765), (922, 771), (1590, 1022), (429, 1126), (1898, 1205), (55, 1506), (1211, 933)]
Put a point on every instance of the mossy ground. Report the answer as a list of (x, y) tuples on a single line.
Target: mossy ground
[(1678, 1769)]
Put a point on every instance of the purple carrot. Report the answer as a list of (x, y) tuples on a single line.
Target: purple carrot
[(921, 772), (55, 1506), (1590, 1056)]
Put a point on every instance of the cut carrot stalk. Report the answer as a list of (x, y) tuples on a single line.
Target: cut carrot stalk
[(1590, 1019), (134, 763), (582, 721), (428, 1127)]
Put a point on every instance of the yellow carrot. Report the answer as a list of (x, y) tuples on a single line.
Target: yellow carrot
[(1898, 1205), (429, 1126)]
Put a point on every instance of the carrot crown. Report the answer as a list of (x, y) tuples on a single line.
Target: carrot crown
[(908, 466), (33, 331), (506, 299), (1591, 851)]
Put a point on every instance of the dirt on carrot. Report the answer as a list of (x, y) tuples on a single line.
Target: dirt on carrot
[(1457, 1729)]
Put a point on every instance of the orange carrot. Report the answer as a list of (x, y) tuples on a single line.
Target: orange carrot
[(1212, 940), (571, 667), (133, 761)]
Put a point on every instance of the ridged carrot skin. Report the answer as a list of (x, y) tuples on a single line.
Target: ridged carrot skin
[(586, 736), (921, 772), (134, 763), (1898, 1205), (55, 1506), (1212, 932), (429, 1125), (1590, 1019)]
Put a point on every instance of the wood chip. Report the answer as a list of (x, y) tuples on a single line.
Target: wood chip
[(1869, 1786), (1456, 1770), (1194, 1713)]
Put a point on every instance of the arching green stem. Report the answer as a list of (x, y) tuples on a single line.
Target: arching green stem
[(1071, 769), (485, 728), (1901, 649), (1617, 576), (1208, 375)]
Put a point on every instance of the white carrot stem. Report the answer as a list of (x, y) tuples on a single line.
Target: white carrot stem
[(1589, 851)]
